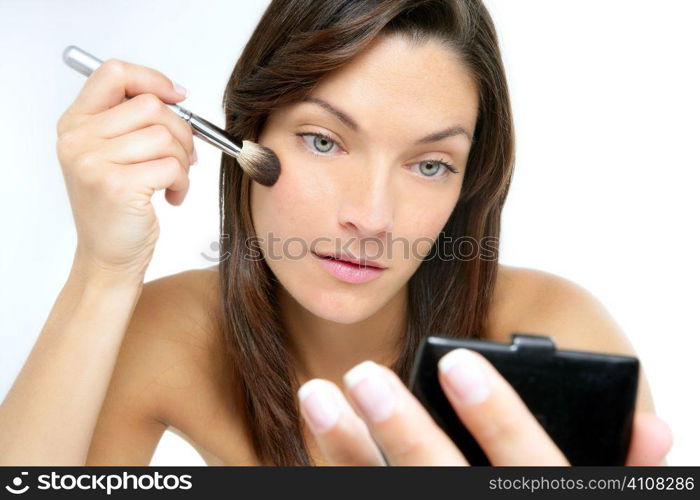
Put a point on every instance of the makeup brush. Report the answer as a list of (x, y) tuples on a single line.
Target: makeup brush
[(259, 162)]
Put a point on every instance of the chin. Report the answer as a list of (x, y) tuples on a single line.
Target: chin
[(340, 318), (344, 307)]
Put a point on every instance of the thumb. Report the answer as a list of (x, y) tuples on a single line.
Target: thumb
[(651, 440)]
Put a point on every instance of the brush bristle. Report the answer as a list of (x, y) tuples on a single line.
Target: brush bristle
[(260, 163)]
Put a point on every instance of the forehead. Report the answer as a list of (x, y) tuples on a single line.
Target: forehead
[(424, 82)]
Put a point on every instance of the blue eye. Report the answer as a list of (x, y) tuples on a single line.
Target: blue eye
[(429, 168), (321, 143)]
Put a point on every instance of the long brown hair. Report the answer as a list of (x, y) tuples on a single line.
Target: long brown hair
[(294, 45)]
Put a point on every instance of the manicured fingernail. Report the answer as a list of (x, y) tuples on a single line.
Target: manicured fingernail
[(371, 390), (193, 157), (181, 90), (465, 375), (320, 404)]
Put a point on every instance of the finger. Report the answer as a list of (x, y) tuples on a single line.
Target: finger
[(397, 421), (141, 112), (341, 435), (114, 80), (494, 413), (146, 144), (651, 440), (163, 173)]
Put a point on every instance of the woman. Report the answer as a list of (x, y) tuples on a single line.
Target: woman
[(392, 123)]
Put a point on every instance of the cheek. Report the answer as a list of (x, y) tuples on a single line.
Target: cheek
[(290, 207), (425, 221)]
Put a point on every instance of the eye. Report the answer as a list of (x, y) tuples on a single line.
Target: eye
[(429, 168), (320, 143)]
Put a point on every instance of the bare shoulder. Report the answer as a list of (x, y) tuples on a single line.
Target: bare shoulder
[(168, 339), (186, 303), (534, 301), (183, 345)]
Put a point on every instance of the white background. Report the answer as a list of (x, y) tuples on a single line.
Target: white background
[(605, 97)]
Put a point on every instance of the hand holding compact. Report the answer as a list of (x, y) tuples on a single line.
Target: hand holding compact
[(114, 153), (382, 414)]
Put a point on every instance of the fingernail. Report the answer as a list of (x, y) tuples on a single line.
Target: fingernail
[(371, 390), (320, 404), (181, 90), (193, 157), (465, 375)]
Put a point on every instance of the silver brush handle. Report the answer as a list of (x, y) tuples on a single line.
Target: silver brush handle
[(86, 63)]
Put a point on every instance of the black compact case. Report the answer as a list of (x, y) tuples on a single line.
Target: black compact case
[(584, 400)]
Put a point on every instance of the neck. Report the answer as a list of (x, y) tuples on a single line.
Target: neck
[(325, 349)]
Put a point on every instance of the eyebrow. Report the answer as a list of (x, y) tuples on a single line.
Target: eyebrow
[(352, 124)]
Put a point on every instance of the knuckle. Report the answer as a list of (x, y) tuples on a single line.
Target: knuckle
[(161, 134), (150, 104), (174, 166), (114, 182), (187, 135), (62, 124), (343, 454), (503, 428), (87, 160), (185, 163), (66, 142), (87, 168), (341, 441), (113, 67), (407, 447)]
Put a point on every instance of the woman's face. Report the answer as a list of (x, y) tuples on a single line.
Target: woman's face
[(375, 188)]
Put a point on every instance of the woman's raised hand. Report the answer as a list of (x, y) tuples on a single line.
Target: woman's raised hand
[(382, 414), (114, 153)]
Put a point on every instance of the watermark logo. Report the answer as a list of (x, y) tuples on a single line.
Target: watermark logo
[(16, 488), (215, 246), (108, 483), (444, 247)]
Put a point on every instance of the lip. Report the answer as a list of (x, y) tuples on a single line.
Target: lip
[(345, 257), (348, 271)]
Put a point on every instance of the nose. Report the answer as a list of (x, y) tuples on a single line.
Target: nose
[(367, 207)]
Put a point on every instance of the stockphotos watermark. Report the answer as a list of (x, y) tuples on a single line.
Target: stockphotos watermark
[(100, 482), (463, 248)]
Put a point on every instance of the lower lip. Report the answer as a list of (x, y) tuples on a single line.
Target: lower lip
[(348, 272)]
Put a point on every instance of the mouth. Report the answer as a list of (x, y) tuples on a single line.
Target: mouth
[(347, 271), (358, 263)]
